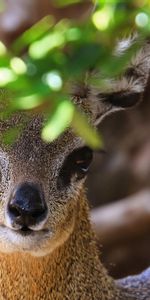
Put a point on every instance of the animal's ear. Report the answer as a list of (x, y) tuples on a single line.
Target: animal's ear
[(126, 90)]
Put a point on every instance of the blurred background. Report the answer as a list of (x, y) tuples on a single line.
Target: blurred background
[(119, 193), (118, 185)]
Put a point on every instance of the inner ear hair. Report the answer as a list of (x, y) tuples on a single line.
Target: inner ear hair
[(121, 92), (121, 99), (126, 90)]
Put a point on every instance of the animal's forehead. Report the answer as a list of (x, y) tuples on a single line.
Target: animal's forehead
[(30, 139)]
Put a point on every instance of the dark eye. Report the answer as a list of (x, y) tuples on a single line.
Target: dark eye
[(77, 163), (82, 159)]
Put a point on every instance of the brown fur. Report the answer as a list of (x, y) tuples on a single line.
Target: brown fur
[(72, 271)]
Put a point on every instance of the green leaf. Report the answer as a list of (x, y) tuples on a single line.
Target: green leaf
[(32, 34), (28, 102), (59, 120), (6, 76), (53, 54), (86, 131)]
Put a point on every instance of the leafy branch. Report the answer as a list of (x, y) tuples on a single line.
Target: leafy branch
[(37, 66)]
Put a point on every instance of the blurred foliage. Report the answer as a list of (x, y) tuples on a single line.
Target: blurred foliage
[(47, 56)]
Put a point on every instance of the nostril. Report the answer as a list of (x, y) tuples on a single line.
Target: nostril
[(25, 229), (38, 213), (13, 210)]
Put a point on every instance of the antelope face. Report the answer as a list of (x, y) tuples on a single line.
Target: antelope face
[(40, 188), (41, 184)]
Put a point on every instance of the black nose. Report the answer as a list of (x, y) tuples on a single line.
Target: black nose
[(27, 207)]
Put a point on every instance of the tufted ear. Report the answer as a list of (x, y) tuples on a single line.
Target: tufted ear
[(126, 90)]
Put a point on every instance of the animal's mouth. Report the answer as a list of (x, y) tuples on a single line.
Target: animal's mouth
[(24, 240), (25, 231)]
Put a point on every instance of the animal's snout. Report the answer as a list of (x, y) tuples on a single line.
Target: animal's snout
[(27, 207)]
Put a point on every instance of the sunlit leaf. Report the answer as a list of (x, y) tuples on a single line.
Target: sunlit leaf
[(101, 18), (85, 130), (47, 43), (53, 80), (6, 76), (28, 102), (34, 33), (58, 121), (18, 65), (3, 49)]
